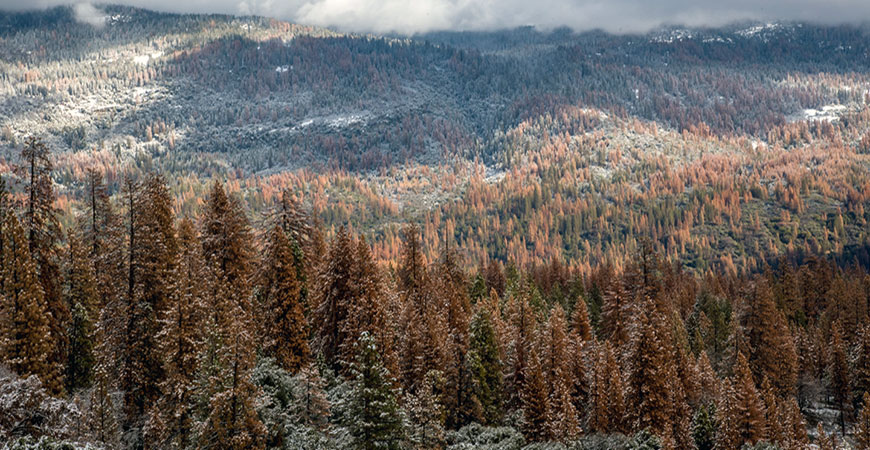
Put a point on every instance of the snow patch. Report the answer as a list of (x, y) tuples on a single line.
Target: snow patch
[(829, 113)]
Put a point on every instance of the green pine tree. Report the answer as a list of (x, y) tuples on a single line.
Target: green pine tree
[(372, 412)]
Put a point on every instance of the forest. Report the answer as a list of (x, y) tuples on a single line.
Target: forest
[(136, 328), (227, 232)]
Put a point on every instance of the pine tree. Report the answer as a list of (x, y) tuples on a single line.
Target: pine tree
[(616, 315), (652, 376), (861, 369), (228, 353), (371, 412), (369, 310), (81, 298), (171, 421), (101, 416), (26, 345), (562, 421), (535, 403), (334, 297), (226, 243), (425, 413), (772, 348), (607, 394), (838, 374), (485, 367), (43, 233), (289, 215), (153, 262), (232, 421), (519, 336), (862, 434), (741, 418), (794, 425), (423, 324), (704, 427), (286, 329), (450, 283)]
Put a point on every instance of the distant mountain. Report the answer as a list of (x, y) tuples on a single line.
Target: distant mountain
[(399, 126)]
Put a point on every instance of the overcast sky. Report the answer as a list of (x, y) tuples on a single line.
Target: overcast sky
[(416, 16)]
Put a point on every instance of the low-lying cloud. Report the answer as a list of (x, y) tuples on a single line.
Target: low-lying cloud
[(419, 16)]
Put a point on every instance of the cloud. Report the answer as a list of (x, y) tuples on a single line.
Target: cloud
[(417, 16), (86, 13)]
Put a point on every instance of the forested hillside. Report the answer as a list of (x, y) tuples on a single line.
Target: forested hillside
[(726, 148), (235, 232), (131, 328)]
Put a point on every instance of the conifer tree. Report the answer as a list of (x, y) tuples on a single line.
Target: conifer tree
[(772, 348), (334, 297), (535, 402), (741, 418), (458, 399), (228, 354), (861, 369), (652, 376), (562, 419), (102, 414), (485, 367), (27, 346), (616, 315), (607, 394), (153, 260), (81, 298), (520, 337), (862, 433), (425, 413), (171, 421), (795, 428), (838, 374), (232, 421), (704, 427), (43, 234), (423, 325), (286, 329), (226, 243), (371, 412)]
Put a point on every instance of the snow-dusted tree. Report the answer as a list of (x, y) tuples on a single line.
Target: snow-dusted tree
[(535, 401), (225, 233), (82, 298), (741, 415), (562, 420), (520, 333), (449, 282), (43, 234), (285, 329), (485, 367), (652, 376), (862, 433), (423, 325), (773, 352), (171, 419), (607, 409), (27, 337), (232, 421), (153, 260), (704, 427), (425, 413), (371, 412), (294, 408), (334, 296), (839, 376), (28, 409)]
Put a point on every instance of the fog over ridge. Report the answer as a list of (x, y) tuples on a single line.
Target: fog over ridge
[(420, 16)]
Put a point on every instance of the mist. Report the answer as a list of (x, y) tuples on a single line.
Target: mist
[(420, 16)]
